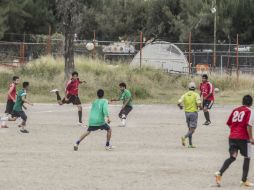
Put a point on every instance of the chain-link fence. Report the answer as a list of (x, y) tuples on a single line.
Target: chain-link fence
[(226, 57)]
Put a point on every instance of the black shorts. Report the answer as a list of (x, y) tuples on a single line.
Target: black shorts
[(243, 146), (72, 99), (102, 127), (20, 114), (9, 106), (125, 111), (207, 104)]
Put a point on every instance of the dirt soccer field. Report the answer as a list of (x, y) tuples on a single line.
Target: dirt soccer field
[(148, 154)]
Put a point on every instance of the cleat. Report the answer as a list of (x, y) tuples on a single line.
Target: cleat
[(218, 178), (24, 131), (81, 124), (123, 123), (183, 141), (75, 148), (246, 184), (207, 123), (54, 91), (109, 147), (192, 146), (4, 118)]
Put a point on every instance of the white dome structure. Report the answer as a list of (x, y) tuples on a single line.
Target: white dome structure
[(162, 55)]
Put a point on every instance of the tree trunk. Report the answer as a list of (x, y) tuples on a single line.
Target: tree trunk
[(68, 47)]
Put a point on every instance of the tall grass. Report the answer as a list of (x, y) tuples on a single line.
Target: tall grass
[(147, 85)]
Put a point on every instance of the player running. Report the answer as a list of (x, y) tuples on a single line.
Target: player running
[(19, 105), (240, 123), (11, 99), (98, 114), (191, 102), (72, 90), (207, 92), (126, 97)]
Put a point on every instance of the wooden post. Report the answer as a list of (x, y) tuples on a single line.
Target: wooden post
[(141, 46), (190, 53), (237, 60), (22, 51), (49, 42)]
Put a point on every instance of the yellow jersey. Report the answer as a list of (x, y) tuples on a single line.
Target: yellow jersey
[(190, 101)]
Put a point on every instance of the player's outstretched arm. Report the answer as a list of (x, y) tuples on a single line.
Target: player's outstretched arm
[(26, 101), (180, 101), (180, 106), (114, 100), (126, 103)]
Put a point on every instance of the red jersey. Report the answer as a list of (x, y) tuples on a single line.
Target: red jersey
[(205, 89), (72, 87), (238, 122), (12, 94)]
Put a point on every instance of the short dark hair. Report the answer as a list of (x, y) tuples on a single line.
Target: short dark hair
[(25, 84), (100, 93), (247, 100), (205, 76), (14, 78), (122, 84), (74, 73)]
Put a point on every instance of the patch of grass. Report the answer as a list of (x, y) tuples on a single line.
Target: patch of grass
[(147, 85)]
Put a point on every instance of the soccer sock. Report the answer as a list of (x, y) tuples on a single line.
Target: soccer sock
[(77, 142), (188, 134), (226, 164), (58, 96), (246, 164), (80, 116), (190, 139), (207, 116), (107, 143)]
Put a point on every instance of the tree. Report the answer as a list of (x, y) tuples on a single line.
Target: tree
[(3, 27), (42, 15), (69, 12), (15, 14)]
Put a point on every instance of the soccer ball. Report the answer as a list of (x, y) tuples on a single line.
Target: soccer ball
[(89, 46), (216, 90), (213, 10)]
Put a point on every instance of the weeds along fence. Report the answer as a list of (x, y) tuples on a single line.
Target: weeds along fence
[(200, 57)]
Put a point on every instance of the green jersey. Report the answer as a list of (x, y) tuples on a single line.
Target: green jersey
[(190, 101), (125, 96), (98, 112), (19, 102)]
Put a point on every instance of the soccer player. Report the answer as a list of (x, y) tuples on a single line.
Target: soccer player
[(98, 119), (11, 98), (207, 92), (191, 102), (240, 123), (126, 97), (71, 91), (19, 105)]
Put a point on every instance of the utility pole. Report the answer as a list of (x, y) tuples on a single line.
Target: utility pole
[(214, 10)]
